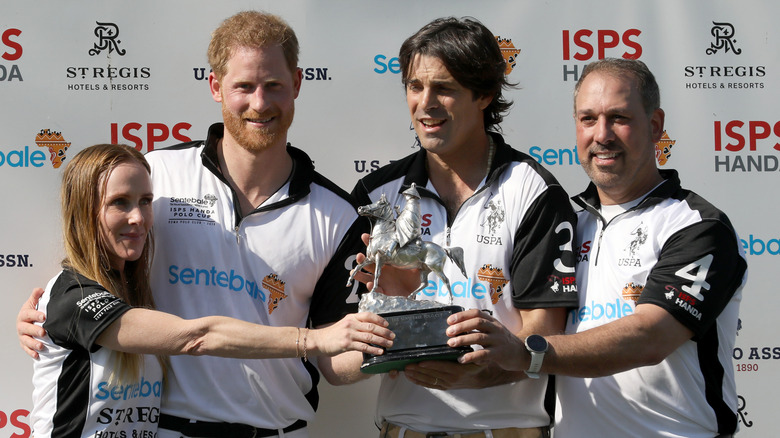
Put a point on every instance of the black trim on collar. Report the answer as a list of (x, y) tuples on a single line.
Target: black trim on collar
[(300, 180), (589, 199), (418, 173), (503, 156), (215, 134)]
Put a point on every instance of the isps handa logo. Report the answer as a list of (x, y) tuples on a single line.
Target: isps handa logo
[(586, 45), (15, 421), (31, 157), (744, 146), (10, 51)]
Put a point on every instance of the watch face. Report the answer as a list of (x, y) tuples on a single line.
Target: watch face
[(536, 343)]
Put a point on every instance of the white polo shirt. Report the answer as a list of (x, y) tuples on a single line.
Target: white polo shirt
[(677, 251), (517, 234), (284, 264)]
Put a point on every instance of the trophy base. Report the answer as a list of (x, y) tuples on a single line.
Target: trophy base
[(419, 336), (399, 360)]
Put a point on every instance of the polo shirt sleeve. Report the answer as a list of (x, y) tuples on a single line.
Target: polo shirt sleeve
[(332, 298), (543, 259), (698, 271), (79, 310)]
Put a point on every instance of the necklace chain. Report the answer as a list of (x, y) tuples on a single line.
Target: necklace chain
[(491, 152)]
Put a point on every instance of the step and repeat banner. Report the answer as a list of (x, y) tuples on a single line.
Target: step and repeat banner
[(73, 74)]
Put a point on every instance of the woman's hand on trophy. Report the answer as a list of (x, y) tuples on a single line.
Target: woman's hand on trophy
[(364, 332)]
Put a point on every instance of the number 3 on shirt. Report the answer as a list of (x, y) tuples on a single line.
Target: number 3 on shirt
[(559, 264)]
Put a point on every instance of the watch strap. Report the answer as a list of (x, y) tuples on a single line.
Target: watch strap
[(536, 365)]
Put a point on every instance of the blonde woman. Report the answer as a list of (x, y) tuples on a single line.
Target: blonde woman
[(97, 375)]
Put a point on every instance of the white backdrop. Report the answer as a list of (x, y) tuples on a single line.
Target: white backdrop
[(64, 68)]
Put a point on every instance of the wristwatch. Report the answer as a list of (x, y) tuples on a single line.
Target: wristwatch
[(537, 346)]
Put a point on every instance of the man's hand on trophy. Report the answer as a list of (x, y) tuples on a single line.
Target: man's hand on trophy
[(444, 375)]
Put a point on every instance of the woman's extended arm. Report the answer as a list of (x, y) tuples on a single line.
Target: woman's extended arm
[(154, 332)]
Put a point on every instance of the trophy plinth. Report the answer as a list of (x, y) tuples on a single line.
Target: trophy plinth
[(419, 326), (419, 335)]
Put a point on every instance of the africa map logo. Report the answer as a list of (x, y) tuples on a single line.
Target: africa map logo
[(275, 286), (663, 149), (496, 280), (509, 52), (56, 144)]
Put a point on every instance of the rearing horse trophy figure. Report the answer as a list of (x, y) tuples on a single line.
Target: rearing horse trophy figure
[(397, 242)]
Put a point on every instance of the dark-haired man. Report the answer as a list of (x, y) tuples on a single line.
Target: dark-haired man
[(510, 215)]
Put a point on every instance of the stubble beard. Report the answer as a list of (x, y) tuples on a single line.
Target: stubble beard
[(601, 179), (254, 139)]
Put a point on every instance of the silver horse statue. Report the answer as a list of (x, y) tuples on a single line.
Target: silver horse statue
[(384, 247)]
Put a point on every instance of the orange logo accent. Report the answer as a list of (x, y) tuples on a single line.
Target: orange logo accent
[(509, 51), (496, 280), (632, 291), (276, 287), (56, 144), (663, 149)]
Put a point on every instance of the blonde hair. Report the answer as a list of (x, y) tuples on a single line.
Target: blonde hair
[(82, 191), (252, 29)]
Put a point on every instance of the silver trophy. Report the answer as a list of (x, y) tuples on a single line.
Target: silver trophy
[(419, 326)]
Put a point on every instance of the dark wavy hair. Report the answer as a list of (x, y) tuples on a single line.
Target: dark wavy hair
[(470, 53)]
